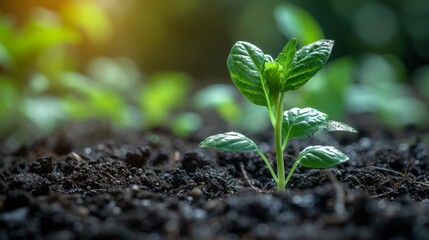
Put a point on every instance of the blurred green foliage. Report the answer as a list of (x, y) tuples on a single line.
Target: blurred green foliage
[(26, 77), (297, 22), (381, 92), (186, 123), (421, 77), (163, 93), (230, 107), (220, 97), (41, 89), (51, 71), (88, 17)]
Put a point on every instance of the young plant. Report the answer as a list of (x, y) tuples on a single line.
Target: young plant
[(264, 81)]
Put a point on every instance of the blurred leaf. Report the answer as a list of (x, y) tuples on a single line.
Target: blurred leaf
[(185, 124), (37, 46), (38, 83), (380, 93), (90, 18), (40, 34), (7, 38), (375, 71), (45, 112), (295, 22), (9, 104), (327, 91), (221, 97), (402, 111), (5, 28), (163, 93), (421, 77), (230, 112), (370, 18), (258, 115), (5, 57), (78, 82), (338, 75), (214, 95), (231, 108), (89, 99), (121, 74), (253, 21)]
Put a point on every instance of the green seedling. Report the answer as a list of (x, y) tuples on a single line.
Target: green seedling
[(264, 81)]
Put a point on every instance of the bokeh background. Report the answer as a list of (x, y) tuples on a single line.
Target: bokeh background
[(142, 64)]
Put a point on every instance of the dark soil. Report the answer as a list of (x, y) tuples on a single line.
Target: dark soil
[(154, 186)]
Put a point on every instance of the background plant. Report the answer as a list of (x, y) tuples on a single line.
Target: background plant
[(41, 87), (45, 46), (230, 107)]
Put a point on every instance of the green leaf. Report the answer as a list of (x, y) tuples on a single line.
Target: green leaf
[(245, 64), (307, 62), (286, 57), (274, 75), (301, 123), (230, 141), (321, 157), (331, 126)]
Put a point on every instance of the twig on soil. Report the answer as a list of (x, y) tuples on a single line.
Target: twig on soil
[(422, 183), (382, 194), (387, 170), (340, 209), (247, 178), (406, 176), (109, 175), (357, 180)]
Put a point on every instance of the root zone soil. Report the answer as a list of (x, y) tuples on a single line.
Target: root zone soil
[(156, 186)]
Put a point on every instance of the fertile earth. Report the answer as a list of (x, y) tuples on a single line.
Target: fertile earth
[(152, 185)]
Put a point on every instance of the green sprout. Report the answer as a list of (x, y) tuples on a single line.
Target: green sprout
[(264, 81)]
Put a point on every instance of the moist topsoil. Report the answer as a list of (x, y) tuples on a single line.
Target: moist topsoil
[(156, 186)]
